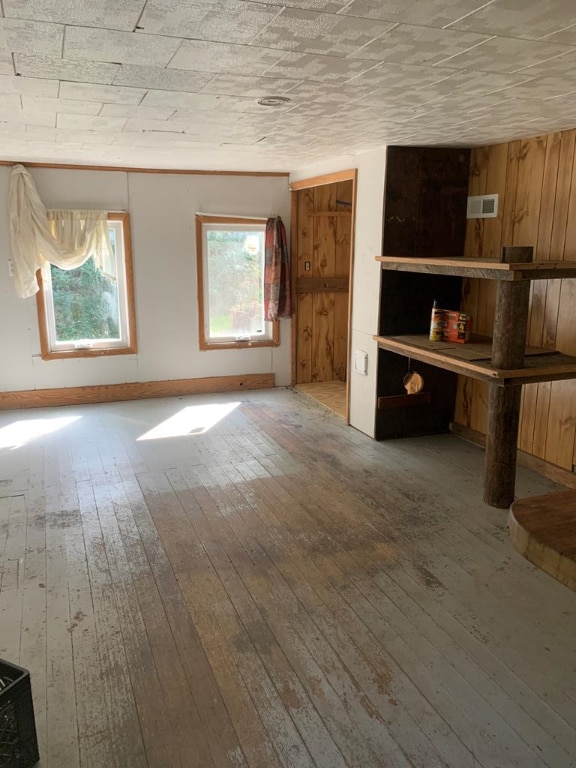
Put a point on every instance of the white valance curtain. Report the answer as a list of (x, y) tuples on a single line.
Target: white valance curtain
[(64, 238)]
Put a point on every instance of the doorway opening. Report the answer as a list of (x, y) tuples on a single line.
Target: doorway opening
[(322, 229)]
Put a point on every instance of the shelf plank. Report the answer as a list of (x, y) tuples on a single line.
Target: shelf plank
[(473, 360), (491, 269)]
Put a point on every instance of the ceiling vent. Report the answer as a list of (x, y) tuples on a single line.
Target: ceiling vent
[(273, 101), (482, 207)]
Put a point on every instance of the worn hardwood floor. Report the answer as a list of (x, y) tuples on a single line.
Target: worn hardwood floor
[(276, 591)]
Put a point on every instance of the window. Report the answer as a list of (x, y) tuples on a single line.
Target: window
[(85, 313), (230, 253)]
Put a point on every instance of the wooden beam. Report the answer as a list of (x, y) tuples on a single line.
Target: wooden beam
[(132, 169), (508, 345), (328, 178), (137, 390), (402, 401), (322, 285)]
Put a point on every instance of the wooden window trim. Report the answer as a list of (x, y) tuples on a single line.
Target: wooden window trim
[(132, 348), (205, 343)]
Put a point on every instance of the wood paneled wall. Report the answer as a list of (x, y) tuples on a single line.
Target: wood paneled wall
[(536, 181)]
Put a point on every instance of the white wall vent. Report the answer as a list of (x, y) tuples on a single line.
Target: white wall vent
[(482, 207)]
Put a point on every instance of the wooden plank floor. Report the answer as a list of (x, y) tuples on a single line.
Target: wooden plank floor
[(276, 590)]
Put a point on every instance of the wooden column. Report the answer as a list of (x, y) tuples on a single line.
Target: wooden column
[(508, 347)]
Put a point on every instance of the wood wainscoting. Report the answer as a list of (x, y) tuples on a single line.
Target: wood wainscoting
[(536, 184), (136, 390)]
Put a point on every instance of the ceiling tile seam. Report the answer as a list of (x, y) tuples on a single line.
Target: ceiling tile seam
[(460, 53), (63, 43), (559, 56), (139, 19), (2, 14), (470, 13), (544, 38)]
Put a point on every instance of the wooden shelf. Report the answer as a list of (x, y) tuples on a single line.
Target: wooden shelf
[(491, 269), (473, 359)]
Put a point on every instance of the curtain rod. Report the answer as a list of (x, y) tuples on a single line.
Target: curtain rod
[(235, 216)]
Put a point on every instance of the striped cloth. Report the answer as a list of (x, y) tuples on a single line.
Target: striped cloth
[(277, 300)]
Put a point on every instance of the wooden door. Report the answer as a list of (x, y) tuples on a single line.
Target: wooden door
[(321, 258)]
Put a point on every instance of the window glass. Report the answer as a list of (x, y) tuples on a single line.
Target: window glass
[(85, 309)]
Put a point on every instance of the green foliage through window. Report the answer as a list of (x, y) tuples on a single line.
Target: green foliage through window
[(235, 261), (85, 303)]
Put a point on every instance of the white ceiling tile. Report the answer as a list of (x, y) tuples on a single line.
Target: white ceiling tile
[(476, 83), (409, 44), (428, 13), (139, 124), (40, 133), (311, 32), (504, 54), (203, 56), (85, 137), (133, 98), (28, 85), (543, 87), (23, 36), (68, 106), (180, 100), (559, 67), (327, 93), (90, 123), (60, 69), (162, 79), (530, 19), (6, 64), (399, 78), (112, 94), (308, 66), (250, 87), (139, 112), (228, 21), (90, 44), (28, 117), (10, 101), (190, 102), (326, 6), (566, 36), (103, 13)]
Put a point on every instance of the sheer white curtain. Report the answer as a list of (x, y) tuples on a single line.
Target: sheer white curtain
[(64, 238)]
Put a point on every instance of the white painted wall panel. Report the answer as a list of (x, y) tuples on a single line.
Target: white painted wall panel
[(366, 284), (366, 278), (162, 209)]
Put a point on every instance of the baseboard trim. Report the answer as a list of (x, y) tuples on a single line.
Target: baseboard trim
[(541, 467), (137, 390)]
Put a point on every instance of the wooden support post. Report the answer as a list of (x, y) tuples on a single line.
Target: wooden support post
[(508, 345)]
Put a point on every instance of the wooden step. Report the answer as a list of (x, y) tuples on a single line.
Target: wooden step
[(543, 529)]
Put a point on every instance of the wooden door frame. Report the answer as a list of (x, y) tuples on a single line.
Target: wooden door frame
[(295, 187)]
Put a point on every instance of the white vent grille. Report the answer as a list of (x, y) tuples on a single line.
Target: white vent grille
[(482, 207)]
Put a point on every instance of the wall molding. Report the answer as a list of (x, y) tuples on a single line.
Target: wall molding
[(541, 467), (130, 169), (109, 393)]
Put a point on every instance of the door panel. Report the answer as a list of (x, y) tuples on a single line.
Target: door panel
[(322, 270)]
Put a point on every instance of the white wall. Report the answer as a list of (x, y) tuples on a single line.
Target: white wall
[(366, 285), (366, 277), (162, 208)]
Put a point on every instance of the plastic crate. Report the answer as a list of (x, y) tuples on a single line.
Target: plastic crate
[(18, 742)]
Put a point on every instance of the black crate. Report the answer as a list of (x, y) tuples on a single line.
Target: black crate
[(18, 742)]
